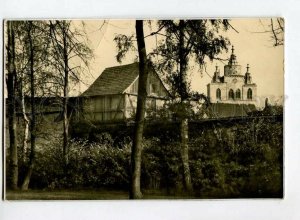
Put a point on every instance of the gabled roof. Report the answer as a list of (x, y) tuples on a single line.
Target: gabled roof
[(113, 80)]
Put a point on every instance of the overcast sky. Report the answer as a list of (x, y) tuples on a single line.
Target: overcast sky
[(266, 61)]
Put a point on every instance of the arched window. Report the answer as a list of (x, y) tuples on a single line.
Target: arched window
[(249, 94), (238, 94), (231, 94), (218, 93)]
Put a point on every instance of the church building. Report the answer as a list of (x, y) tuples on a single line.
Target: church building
[(233, 87), (234, 93)]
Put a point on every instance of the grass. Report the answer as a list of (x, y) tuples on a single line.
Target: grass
[(66, 195), (86, 194)]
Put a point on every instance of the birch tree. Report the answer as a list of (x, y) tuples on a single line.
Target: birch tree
[(33, 53), (70, 58)]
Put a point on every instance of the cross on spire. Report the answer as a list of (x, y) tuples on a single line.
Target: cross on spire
[(248, 68), (232, 49)]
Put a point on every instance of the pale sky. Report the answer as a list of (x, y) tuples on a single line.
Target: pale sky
[(266, 61)]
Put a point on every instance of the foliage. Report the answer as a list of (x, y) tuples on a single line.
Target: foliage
[(91, 165), (124, 43), (161, 166), (245, 160), (185, 41), (226, 160)]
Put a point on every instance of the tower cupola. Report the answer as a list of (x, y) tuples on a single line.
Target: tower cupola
[(232, 68), (248, 78), (232, 60)]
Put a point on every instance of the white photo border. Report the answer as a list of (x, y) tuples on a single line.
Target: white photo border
[(287, 208)]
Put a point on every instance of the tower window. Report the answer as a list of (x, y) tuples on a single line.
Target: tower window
[(231, 94), (249, 94), (238, 94), (218, 93)]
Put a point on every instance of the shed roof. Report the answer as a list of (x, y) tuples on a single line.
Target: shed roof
[(113, 80)]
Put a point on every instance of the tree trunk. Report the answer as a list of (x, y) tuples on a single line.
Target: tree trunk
[(185, 155), (11, 111), (26, 124), (65, 101), (184, 121), (136, 154), (33, 115)]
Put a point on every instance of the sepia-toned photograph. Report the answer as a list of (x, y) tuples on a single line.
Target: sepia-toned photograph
[(143, 109)]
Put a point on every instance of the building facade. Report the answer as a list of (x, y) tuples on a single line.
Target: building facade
[(233, 87)]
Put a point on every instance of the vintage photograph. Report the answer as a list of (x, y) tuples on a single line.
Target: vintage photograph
[(143, 109)]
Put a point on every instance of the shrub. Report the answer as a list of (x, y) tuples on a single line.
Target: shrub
[(90, 165), (232, 160)]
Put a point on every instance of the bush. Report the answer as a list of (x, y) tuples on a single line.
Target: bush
[(161, 165), (90, 165), (235, 160)]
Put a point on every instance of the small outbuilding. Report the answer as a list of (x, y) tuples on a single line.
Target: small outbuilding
[(113, 95)]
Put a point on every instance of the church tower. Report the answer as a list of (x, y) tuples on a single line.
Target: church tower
[(233, 87)]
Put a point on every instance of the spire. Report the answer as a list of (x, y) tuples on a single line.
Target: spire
[(217, 68), (248, 68), (232, 49)]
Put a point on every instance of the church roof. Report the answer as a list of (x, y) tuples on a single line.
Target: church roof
[(226, 110), (113, 80)]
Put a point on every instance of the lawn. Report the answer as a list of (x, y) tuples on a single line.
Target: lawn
[(83, 195), (65, 195)]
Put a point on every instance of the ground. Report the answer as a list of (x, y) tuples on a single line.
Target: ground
[(85, 194)]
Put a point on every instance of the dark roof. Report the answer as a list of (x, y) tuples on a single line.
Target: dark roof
[(225, 110), (113, 80)]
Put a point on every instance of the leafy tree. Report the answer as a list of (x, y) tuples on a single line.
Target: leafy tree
[(183, 40), (186, 41)]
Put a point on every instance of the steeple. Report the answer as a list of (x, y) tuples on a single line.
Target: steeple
[(232, 60), (232, 68)]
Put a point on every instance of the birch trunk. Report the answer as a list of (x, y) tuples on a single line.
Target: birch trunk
[(26, 126), (185, 155), (31, 162)]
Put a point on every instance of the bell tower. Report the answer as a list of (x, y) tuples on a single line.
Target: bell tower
[(232, 68)]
